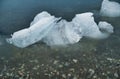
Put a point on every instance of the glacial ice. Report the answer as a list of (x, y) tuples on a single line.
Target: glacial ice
[(38, 29), (89, 28), (63, 33), (56, 31), (110, 9)]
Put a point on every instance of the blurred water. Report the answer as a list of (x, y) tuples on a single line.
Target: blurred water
[(17, 14)]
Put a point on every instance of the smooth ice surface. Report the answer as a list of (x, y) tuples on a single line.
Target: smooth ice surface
[(53, 31), (110, 8)]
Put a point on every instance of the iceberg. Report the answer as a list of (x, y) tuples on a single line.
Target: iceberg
[(56, 31), (110, 9)]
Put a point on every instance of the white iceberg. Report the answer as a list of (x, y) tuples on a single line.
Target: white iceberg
[(53, 31), (110, 9)]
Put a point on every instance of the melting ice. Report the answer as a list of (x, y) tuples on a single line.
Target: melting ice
[(110, 8), (56, 31)]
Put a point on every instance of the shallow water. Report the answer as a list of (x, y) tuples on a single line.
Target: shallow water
[(88, 59)]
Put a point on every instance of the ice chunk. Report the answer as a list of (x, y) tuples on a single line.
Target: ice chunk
[(87, 24), (48, 29), (89, 28), (63, 33), (110, 8), (34, 33), (106, 27), (71, 32)]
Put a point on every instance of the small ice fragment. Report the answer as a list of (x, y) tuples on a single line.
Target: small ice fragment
[(110, 9)]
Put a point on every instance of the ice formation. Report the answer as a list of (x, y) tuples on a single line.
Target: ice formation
[(38, 29), (63, 33), (110, 9), (89, 28), (53, 31)]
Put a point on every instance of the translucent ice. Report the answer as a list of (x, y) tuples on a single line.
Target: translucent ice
[(53, 31), (63, 33), (110, 8), (89, 28), (38, 29), (71, 32)]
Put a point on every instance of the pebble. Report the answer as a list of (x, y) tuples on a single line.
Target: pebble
[(109, 59), (42, 64), (116, 75), (95, 76), (64, 76), (55, 62), (103, 73), (34, 68), (34, 61), (69, 75), (20, 73), (72, 69), (60, 66), (75, 60), (67, 64), (57, 73), (91, 72), (75, 77), (22, 66), (1, 75)]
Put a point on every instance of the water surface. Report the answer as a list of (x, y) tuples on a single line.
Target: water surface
[(88, 59)]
